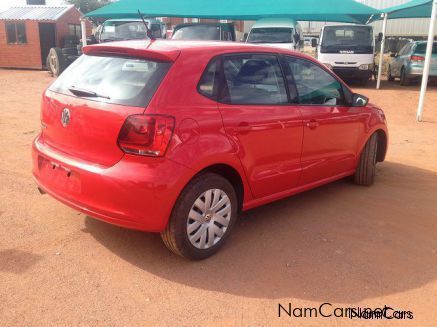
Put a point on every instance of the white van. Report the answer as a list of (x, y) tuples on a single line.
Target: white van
[(349, 50), (277, 32)]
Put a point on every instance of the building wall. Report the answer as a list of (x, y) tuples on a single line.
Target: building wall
[(70, 17), (21, 55), (29, 55)]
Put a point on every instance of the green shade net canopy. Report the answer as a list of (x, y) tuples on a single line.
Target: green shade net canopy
[(411, 9), (347, 11)]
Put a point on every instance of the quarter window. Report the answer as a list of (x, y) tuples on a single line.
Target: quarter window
[(253, 79), (16, 33), (209, 82), (314, 85)]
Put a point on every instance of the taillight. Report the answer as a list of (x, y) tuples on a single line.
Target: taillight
[(417, 58), (146, 135)]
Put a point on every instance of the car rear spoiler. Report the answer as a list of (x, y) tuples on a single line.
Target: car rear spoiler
[(137, 50)]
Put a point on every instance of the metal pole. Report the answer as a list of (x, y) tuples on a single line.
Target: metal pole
[(83, 30), (427, 65), (381, 52)]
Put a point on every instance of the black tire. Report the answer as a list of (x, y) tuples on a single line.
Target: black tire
[(69, 51), (48, 65), (390, 77), (405, 81), (175, 235), (57, 62), (365, 173)]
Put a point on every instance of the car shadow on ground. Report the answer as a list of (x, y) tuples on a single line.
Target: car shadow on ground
[(340, 243)]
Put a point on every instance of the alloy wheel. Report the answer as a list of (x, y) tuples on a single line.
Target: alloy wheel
[(209, 218)]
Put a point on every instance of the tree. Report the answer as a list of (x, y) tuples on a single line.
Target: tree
[(86, 6)]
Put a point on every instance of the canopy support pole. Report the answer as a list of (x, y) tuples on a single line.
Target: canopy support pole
[(381, 52), (427, 65), (83, 30)]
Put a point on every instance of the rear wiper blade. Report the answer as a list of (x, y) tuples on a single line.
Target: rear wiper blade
[(86, 93)]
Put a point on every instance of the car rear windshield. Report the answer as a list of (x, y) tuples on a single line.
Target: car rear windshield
[(117, 80), (421, 48), (270, 35)]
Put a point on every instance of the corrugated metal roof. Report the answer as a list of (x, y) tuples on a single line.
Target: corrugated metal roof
[(34, 13)]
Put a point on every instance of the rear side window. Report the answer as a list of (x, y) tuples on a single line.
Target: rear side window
[(314, 85), (124, 81), (254, 79)]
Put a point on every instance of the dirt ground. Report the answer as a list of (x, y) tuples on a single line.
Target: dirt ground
[(343, 244)]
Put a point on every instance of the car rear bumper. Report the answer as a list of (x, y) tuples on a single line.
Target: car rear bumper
[(137, 192), (417, 70), (352, 73)]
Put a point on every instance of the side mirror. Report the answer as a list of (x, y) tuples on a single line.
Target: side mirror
[(359, 100), (314, 43), (380, 36)]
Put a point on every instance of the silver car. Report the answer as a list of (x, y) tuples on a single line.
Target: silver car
[(408, 63)]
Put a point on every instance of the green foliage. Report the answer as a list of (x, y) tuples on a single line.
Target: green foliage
[(86, 6)]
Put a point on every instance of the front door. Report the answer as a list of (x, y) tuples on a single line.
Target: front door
[(47, 39), (331, 127), (265, 129)]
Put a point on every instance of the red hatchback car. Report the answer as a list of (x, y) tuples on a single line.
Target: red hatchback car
[(178, 137)]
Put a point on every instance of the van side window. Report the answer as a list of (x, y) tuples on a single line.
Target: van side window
[(208, 85), (314, 85), (253, 79)]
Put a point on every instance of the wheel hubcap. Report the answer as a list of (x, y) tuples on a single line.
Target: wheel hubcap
[(209, 219)]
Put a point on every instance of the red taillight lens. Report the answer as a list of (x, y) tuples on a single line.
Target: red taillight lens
[(146, 135), (417, 58)]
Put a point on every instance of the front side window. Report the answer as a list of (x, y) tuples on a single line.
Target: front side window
[(124, 81), (16, 33), (253, 79), (313, 84)]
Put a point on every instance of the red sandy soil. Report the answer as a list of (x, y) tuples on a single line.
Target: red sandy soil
[(344, 244)]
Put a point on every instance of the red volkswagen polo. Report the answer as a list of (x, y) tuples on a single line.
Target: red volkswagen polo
[(178, 137)]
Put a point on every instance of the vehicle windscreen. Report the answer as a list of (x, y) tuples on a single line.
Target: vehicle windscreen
[(270, 35), (358, 39), (421, 48), (117, 80), (119, 31), (197, 32)]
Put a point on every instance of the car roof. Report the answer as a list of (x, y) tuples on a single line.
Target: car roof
[(169, 50), (275, 22)]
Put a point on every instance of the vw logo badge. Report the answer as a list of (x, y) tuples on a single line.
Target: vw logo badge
[(65, 117)]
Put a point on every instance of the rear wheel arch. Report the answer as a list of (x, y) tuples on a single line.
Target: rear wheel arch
[(232, 175)]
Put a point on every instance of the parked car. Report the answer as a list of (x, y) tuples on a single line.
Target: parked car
[(277, 32), (349, 50), (204, 31), (408, 63), (111, 30), (308, 41), (178, 137)]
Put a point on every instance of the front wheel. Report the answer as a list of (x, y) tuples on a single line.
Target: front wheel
[(365, 173), (202, 217)]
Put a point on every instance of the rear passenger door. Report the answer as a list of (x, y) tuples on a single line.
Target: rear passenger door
[(331, 126), (265, 129)]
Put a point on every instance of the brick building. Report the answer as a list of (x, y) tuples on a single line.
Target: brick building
[(28, 32)]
